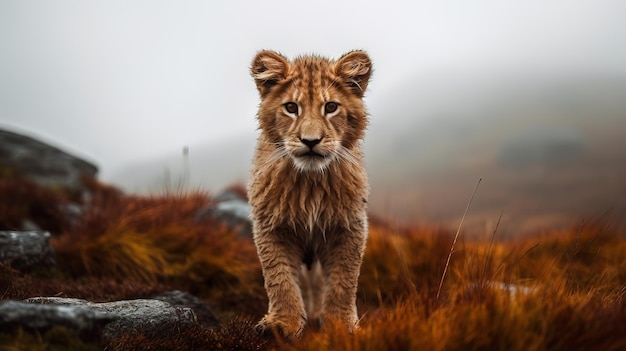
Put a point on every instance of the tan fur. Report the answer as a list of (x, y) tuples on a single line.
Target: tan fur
[(309, 210)]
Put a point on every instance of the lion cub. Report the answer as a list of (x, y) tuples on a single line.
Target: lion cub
[(308, 187)]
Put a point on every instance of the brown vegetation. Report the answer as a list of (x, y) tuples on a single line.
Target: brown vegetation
[(558, 290)]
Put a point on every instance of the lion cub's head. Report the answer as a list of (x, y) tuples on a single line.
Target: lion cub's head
[(311, 108)]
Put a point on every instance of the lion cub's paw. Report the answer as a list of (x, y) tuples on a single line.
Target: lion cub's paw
[(333, 322), (290, 330)]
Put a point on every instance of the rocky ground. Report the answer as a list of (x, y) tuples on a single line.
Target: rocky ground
[(50, 197)]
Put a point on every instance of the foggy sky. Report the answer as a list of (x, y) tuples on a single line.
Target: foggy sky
[(121, 81)]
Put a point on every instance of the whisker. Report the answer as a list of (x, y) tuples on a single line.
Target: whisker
[(276, 155), (346, 155), (279, 144)]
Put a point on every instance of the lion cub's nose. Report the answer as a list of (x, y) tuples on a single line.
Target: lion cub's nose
[(310, 142)]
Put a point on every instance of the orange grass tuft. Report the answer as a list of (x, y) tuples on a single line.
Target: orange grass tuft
[(400, 262), (23, 200)]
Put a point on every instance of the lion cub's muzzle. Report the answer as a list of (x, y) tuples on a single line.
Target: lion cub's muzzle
[(313, 149), (311, 154)]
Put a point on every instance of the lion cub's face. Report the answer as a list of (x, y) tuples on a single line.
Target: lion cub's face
[(311, 108)]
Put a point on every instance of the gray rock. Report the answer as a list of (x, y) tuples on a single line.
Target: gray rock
[(202, 311), (43, 163), (82, 320), (509, 288), (73, 212), (141, 316), (23, 250), (30, 226), (231, 209), (228, 195)]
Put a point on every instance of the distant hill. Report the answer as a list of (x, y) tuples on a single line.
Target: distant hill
[(550, 150)]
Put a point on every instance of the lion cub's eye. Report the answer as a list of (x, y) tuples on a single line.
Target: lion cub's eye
[(330, 107), (291, 108)]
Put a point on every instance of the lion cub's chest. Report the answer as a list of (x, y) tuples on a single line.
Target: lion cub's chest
[(308, 203), (312, 206)]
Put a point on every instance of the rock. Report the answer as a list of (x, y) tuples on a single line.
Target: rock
[(86, 322), (24, 250), (508, 288), (29, 226), (45, 164), (202, 311), (232, 209), (141, 316)]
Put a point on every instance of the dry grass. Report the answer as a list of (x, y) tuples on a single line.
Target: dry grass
[(558, 290), (158, 240), (23, 199), (561, 290)]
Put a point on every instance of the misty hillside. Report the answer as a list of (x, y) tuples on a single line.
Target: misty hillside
[(549, 148)]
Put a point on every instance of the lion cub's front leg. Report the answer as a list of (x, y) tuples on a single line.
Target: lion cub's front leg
[(342, 264), (280, 264)]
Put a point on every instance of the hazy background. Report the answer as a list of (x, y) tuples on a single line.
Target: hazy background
[(529, 95)]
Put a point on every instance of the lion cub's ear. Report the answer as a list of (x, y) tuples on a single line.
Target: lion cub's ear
[(355, 68), (267, 69)]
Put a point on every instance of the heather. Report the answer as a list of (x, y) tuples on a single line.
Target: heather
[(557, 289)]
